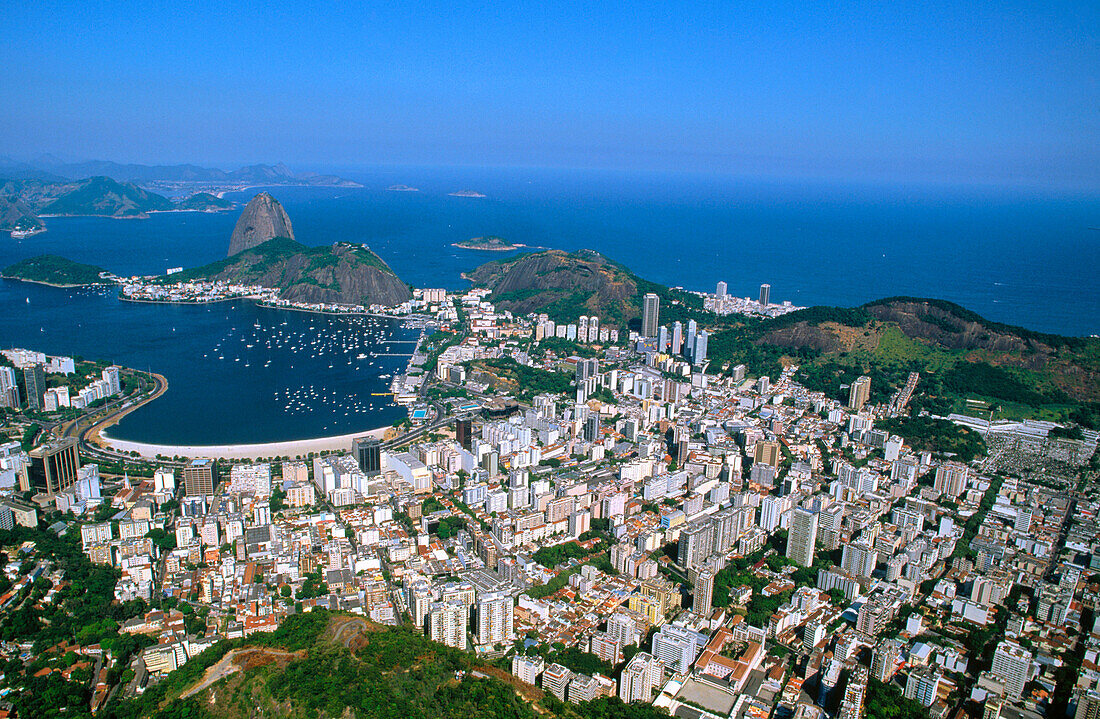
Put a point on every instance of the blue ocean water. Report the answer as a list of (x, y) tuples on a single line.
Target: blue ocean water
[(1022, 258)]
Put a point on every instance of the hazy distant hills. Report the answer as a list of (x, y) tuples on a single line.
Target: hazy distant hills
[(50, 169)]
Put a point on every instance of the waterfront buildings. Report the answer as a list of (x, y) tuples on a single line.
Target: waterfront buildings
[(199, 477)]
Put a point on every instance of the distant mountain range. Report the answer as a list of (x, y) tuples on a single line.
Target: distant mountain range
[(50, 169)]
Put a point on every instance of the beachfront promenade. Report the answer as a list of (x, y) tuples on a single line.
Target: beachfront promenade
[(292, 448)]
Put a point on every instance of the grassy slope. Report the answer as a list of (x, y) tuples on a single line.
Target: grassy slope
[(256, 261)]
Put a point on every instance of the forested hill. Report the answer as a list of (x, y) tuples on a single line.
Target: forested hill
[(566, 285), (967, 363), (339, 665)]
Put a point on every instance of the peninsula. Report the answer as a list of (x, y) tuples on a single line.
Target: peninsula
[(56, 271)]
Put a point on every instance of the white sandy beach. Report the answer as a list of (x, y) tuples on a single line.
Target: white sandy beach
[(292, 448)]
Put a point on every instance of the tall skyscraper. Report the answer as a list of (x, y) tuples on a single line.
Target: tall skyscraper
[(651, 304), (859, 393), (677, 337), (368, 453), (463, 433), (699, 354), (802, 536), (35, 378), (9, 388), (765, 294), (704, 592), (199, 478), (662, 339), (852, 705), (720, 292), (54, 465)]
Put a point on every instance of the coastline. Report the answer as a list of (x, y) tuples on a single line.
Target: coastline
[(54, 284), (291, 448)]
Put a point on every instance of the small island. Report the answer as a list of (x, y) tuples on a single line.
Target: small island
[(491, 243), (402, 188), (55, 271), (467, 193)]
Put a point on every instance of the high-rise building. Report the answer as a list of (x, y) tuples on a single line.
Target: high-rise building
[(650, 310), (592, 428), (35, 378), (923, 686), (463, 433), (662, 339), (951, 478), (54, 465), (587, 368), (859, 393), (851, 707), (113, 377), (884, 662), (704, 593), (676, 648), (802, 536), (765, 294), (199, 478), (699, 354), (447, 622), (9, 388), (1012, 663), (494, 619), (695, 545), (368, 454), (993, 705), (720, 292), (677, 338), (859, 559), (767, 452), (639, 678)]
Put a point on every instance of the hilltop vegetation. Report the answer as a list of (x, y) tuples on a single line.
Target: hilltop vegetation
[(54, 270), (204, 202), (340, 273), (566, 285), (967, 363), (106, 197), (339, 670)]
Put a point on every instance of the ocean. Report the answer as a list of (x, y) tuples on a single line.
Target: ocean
[(1014, 257)]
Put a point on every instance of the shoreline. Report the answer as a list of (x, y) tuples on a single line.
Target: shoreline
[(54, 284), (292, 448)]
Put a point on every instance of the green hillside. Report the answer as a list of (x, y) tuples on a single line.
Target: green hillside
[(345, 666), (54, 270), (104, 196)]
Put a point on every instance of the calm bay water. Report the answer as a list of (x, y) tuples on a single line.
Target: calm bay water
[(1016, 258)]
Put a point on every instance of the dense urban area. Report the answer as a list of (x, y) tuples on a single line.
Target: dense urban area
[(577, 519)]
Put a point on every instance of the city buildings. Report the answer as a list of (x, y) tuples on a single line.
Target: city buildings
[(802, 537), (199, 477), (650, 314)]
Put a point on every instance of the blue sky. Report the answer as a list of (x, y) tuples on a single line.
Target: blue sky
[(963, 92)]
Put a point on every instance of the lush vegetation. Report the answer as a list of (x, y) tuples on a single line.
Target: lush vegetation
[(506, 374), (55, 270), (885, 701), (83, 611), (559, 553), (396, 673), (937, 435)]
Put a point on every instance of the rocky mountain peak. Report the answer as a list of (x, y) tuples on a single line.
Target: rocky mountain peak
[(263, 219)]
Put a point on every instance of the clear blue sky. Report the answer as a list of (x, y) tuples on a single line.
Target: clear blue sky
[(999, 92)]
